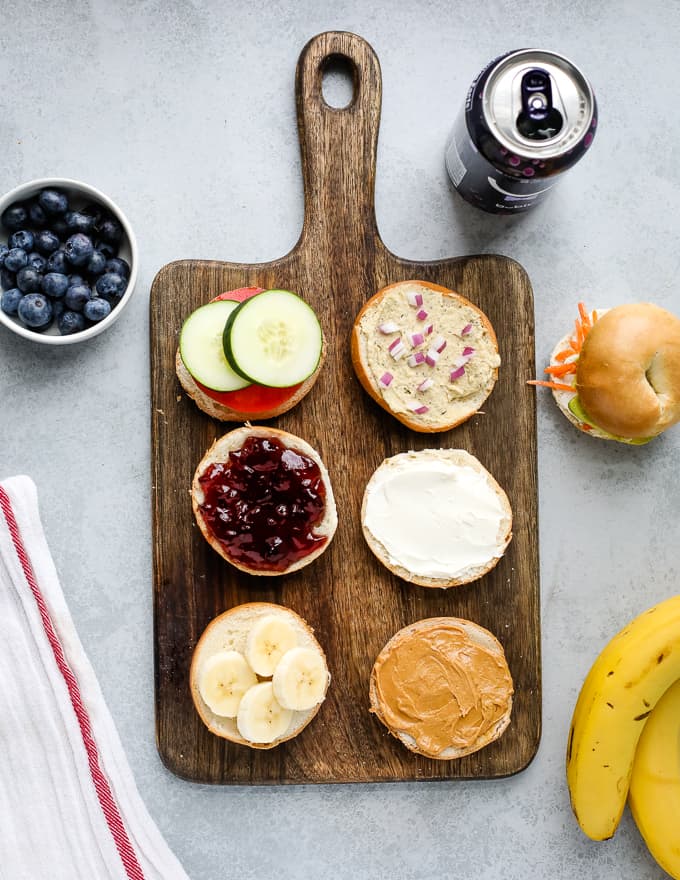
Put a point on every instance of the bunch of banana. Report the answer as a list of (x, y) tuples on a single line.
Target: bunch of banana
[(624, 698)]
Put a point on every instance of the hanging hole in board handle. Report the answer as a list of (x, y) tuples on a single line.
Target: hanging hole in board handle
[(339, 81)]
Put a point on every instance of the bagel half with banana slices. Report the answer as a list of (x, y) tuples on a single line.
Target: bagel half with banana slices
[(617, 377)]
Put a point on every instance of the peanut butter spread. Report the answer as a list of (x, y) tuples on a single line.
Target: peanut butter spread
[(441, 688)]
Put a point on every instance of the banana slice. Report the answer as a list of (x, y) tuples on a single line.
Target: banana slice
[(300, 679), (267, 642), (261, 718), (225, 679)]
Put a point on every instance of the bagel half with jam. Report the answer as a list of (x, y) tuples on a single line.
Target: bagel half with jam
[(250, 353), (263, 500), (617, 377)]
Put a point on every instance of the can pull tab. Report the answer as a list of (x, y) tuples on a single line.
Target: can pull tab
[(539, 119)]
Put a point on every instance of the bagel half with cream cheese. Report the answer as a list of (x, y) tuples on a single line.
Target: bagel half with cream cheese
[(436, 518), (263, 500), (227, 688), (442, 686), (425, 354), (617, 377)]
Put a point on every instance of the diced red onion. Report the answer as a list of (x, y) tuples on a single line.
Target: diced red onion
[(388, 327), (460, 361), (421, 314), (394, 344), (398, 352), (467, 351), (417, 407), (456, 374), (385, 379), (416, 339), (415, 359), (439, 344), (466, 329), (431, 357), (414, 299), (429, 329), (425, 384)]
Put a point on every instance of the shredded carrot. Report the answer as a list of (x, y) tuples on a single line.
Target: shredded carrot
[(560, 369), (563, 355), (559, 386), (585, 320), (595, 315), (580, 335)]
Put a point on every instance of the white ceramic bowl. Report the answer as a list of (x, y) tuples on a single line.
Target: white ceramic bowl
[(78, 193)]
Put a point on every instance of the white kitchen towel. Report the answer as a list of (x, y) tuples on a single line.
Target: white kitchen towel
[(69, 807)]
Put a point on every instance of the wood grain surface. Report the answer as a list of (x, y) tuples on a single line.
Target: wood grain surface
[(353, 603)]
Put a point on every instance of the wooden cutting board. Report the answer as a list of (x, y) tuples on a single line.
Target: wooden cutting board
[(354, 604)]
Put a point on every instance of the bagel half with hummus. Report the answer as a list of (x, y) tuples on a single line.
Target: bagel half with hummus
[(442, 686), (263, 500), (250, 353), (258, 675), (425, 354), (617, 376), (436, 518)]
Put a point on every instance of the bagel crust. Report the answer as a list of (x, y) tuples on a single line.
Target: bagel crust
[(442, 686), (628, 374), (453, 319), (219, 452)]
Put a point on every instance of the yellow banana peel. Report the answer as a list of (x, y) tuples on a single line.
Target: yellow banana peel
[(622, 688)]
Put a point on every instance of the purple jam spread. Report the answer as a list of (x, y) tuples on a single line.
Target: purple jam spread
[(263, 503)]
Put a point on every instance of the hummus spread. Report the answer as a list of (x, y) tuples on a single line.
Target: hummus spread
[(441, 688), (448, 316)]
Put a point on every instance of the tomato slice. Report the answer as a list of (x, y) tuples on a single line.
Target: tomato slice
[(252, 399)]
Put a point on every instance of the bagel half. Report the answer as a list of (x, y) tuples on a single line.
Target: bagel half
[(622, 379), (442, 686), (456, 384), (436, 518), (229, 632), (219, 454)]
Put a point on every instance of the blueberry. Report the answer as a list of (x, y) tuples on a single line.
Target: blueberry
[(46, 242), (14, 217), (70, 322), (78, 249), (10, 300), (29, 280), (23, 239), (35, 310), (57, 262), (76, 296), (110, 230), (16, 259), (107, 249), (60, 228), (111, 286), (36, 214), (7, 279), (120, 267), (73, 280), (58, 308), (4, 250), (53, 202), (79, 222), (92, 209), (37, 261), (97, 263), (55, 285), (97, 309)]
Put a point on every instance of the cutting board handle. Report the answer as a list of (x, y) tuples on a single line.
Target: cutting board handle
[(338, 145)]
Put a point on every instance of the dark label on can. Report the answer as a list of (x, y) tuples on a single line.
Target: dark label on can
[(483, 185)]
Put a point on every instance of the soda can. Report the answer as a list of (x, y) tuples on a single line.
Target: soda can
[(528, 117)]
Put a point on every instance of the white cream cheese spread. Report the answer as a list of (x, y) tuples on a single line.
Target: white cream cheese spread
[(434, 517)]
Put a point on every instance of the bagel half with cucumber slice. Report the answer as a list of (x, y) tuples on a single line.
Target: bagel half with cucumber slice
[(239, 359), (258, 675), (617, 376)]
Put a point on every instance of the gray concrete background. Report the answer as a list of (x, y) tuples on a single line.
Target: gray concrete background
[(184, 114)]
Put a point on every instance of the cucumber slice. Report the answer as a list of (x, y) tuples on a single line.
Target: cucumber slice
[(273, 339), (200, 347)]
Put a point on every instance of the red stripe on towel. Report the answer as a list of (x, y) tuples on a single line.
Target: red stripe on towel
[(101, 783)]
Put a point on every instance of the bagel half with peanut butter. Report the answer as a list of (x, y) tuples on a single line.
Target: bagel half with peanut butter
[(425, 354), (617, 377), (443, 687)]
